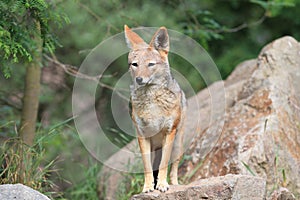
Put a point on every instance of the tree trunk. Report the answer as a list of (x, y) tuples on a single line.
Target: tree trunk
[(31, 92)]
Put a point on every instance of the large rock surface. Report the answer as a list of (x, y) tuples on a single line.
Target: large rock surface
[(20, 192), (235, 187), (261, 130), (249, 124)]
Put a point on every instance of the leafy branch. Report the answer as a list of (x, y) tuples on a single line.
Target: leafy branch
[(18, 27)]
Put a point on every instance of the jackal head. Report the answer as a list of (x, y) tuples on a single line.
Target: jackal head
[(148, 63)]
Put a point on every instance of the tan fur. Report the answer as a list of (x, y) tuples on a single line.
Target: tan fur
[(158, 107)]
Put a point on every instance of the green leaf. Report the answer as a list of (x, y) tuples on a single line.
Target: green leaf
[(274, 7)]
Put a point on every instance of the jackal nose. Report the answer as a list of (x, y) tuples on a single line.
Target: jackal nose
[(139, 80)]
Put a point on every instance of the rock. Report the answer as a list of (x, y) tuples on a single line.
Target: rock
[(20, 192), (282, 194), (248, 124), (260, 135), (236, 187)]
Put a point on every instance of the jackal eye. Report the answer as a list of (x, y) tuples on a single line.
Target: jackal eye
[(134, 64), (151, 64)]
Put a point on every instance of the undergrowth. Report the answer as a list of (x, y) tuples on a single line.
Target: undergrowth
[(132, 183), (20, 163), (87, 188)]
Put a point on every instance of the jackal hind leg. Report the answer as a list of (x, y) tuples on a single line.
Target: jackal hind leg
[(176, 155), (155, 166)]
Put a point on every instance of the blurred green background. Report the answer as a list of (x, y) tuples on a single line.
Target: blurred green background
[(231, 31)]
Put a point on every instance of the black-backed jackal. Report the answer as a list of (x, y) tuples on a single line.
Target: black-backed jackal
[(158, 108)]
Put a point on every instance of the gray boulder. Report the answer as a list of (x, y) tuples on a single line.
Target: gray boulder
[(20, 192)]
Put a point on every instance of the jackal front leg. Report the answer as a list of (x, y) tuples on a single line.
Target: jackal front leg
[(162, 184), (145, 147)]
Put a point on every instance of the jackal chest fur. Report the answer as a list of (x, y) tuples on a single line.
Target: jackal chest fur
[(155, 109)]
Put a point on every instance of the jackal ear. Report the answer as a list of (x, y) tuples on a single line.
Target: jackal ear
[(133, 40), (160, 40)]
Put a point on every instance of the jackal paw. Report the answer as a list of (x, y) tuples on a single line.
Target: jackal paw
[(148, 188), (162, 186)]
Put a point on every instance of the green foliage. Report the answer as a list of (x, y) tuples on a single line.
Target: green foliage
[(274, 7), (132, 183), (18, 26), (76, 171), (200, 25), (248, 27), (87, 188)]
